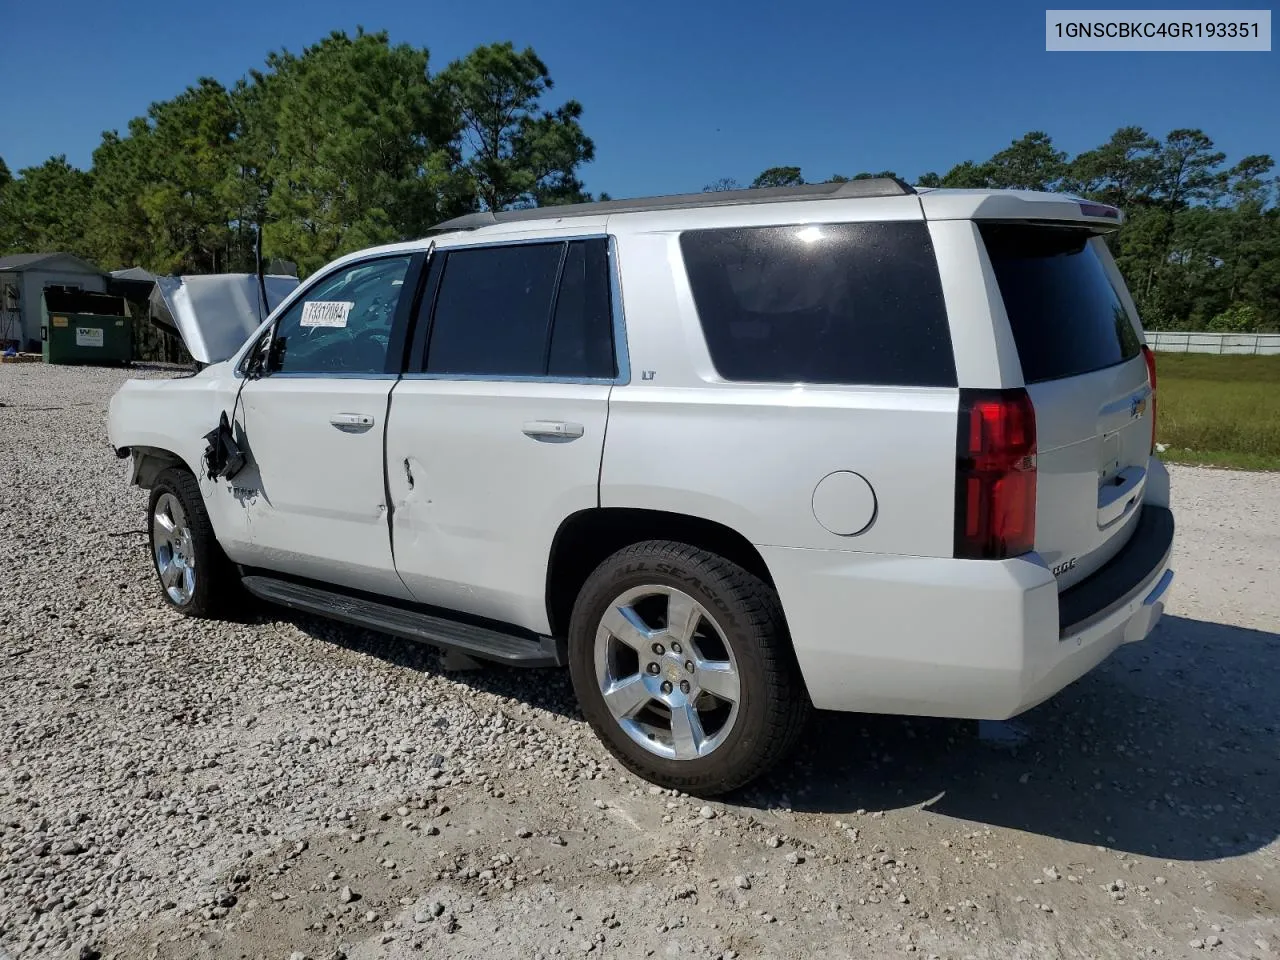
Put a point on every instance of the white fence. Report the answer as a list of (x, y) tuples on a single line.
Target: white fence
[(1170, 341)]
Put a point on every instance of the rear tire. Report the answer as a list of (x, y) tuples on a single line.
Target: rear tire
[(726, 701), (196, 578)]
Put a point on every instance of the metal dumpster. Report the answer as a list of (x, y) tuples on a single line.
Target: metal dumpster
[(80, 327)]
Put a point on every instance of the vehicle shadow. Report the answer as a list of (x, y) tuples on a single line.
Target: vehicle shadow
[(542, 688), (1168, 749)]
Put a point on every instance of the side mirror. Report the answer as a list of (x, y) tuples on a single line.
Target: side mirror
[(264, 357), (275, 354)]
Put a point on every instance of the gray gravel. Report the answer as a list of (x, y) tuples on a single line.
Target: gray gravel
[(289, 788)]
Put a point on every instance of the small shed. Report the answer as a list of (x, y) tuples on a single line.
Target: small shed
[(24, 278)]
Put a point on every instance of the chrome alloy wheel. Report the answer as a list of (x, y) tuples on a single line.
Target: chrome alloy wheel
[(668, 676), (174, 549)]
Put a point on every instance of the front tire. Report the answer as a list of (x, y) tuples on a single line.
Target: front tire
[(683, 666), (196, 579)]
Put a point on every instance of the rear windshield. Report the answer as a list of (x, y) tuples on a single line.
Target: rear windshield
[(1066, 316), (842, 303)]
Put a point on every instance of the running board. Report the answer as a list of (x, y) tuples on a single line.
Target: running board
[(483, 643)]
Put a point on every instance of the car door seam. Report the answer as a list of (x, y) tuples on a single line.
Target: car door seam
[(386, 478), (604, 445)]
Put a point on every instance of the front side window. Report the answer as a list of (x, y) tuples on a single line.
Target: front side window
[(343, 323), (524, 310)]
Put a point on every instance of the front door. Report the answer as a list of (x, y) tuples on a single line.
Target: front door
[(497, 435), (314, 425)]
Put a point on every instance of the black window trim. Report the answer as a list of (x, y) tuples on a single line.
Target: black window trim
[(396, 348), (415, 368)]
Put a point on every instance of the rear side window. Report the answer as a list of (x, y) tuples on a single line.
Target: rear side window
[(529, 310), (493, 310), (1067, 318), (842, 303), (582, 334)]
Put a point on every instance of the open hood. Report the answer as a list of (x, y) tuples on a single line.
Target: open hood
[(214, 315)]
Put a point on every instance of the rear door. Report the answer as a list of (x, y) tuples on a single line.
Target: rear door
[(497, 431), (1081, 355)]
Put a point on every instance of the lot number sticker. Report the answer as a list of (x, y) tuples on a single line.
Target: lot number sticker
[(326, 313), (88, 336)]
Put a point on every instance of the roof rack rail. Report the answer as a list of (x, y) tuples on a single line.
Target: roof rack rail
[(868, 187)]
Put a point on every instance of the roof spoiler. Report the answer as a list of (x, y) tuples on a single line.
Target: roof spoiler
[(849, 189)]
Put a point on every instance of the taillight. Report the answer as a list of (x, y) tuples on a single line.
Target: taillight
[(1149, 355), (995, 474)]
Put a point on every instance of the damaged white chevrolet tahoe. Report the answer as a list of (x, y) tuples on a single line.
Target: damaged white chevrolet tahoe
[(727, 456)]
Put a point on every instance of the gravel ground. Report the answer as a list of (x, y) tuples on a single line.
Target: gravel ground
[(288, 788)]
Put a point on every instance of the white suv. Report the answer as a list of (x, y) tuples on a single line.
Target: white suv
[(727, 456)]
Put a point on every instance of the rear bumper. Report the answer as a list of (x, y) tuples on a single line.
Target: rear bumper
[(1094, 598), (962, 638)]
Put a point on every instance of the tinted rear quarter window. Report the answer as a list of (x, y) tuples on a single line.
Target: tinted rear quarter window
[(1067, 318), (844, 303)]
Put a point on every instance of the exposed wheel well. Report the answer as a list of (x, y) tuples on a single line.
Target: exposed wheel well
[(586, 538), (150, 462)]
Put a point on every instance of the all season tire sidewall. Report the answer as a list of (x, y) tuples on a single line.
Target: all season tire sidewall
[(744, 740), (197, 522)]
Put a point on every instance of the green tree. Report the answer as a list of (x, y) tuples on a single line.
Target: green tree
[(159, 197), (1247, 181), (191, 138), (363, 149), (779, 177), (1187, 169), (967, 175), (515, 152), (1242, 318), (118, 230), (1030, 163), (43, 209), (1187, 174), (1122, 172), (550, 148), (8, 228), (254, 154), (1200, 244)]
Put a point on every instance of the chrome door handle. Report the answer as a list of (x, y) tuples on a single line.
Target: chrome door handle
[(555, 430), (351, 422)]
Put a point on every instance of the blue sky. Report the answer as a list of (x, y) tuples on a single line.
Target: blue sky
[(675, 94)]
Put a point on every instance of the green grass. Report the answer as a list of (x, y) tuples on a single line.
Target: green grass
[(1221, 411)]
